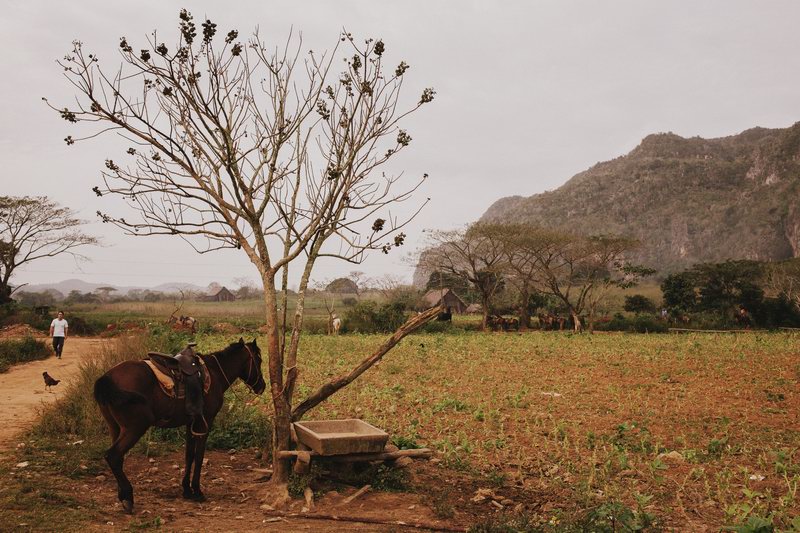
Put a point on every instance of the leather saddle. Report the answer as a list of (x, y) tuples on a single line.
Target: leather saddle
[(186, 371)]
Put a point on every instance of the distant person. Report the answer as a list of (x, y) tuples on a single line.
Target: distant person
[(743, 317), (664, 314), (58, 330)]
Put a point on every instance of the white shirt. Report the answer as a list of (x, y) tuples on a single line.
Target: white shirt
[(59, 327)]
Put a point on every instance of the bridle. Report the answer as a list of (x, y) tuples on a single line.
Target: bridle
[(251, 365)]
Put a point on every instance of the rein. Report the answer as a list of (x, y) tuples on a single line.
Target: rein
[(250, 364)]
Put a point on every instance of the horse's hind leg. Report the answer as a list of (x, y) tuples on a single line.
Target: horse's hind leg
[(115, 457), (113, 426)]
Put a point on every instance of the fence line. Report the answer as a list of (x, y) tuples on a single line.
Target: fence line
[(686, 330)]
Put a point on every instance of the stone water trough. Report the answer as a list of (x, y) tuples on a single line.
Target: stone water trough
[(341, 437), (349, 441)]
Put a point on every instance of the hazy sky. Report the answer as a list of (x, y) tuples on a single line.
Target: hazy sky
[(528, 94)]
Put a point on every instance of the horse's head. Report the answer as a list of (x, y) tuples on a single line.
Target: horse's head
[(251, 371)]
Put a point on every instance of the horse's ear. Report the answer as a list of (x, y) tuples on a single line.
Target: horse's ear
[(254, 342), (241, 340)]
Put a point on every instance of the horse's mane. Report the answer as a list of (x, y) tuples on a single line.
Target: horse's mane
[(225, 351)]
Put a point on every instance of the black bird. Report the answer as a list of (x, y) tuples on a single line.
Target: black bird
[(49, 381)]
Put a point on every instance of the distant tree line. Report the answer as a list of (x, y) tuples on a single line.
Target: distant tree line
[(764, 294), (535, 268)]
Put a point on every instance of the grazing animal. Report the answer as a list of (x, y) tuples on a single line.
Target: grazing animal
[(183, 323), (131, 401), (499, 323), (49, 381), (336, 324)]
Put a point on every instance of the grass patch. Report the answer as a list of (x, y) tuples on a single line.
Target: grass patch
[(13, 352)]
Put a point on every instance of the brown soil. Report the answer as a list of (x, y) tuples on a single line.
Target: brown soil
[(233, 489), (226, 327), (19, 330), (22, 389), (234, 495)]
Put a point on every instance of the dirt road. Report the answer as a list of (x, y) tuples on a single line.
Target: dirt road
[(22, 387)]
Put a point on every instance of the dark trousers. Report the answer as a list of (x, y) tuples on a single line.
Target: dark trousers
[(58, 345)]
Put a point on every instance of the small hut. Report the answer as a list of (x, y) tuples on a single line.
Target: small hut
[(448, 298), (474, 309), (221, 295)]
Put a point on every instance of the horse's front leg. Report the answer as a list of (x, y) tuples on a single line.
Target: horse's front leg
[(200, 443), (189, 459)]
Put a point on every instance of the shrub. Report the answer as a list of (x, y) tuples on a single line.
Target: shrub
[(81, 326), (349, 301), (13, 313), (639, 303), (13, 352), (637, 324), (368, 317)]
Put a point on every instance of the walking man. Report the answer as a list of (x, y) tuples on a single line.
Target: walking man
[(58, 330)]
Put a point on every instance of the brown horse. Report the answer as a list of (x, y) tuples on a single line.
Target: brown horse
[(131, 401)]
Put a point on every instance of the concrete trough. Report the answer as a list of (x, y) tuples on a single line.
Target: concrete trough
[(341, 437)]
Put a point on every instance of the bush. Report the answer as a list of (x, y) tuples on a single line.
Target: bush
[(81, 326), (639, 303), (368, 317), (13, 313), (778, 312), (13, 352), (349, 301), (637, 324)]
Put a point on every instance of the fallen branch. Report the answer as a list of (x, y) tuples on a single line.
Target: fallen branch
[(360, 492), (421, 453), (367, 520), (337, 383)]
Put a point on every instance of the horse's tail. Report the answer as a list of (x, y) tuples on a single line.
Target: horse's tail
[(106, 392)]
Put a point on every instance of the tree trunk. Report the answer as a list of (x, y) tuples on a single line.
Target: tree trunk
[(485, 305), (5, 288), (278, 492), (524, 314), (576, 321)]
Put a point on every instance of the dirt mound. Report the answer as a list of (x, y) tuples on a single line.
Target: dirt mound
[(19, 330), (226, 327)]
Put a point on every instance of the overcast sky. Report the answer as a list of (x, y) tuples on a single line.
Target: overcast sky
[(528, 94)]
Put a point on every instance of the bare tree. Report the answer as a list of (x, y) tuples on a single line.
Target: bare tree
[(783, 279), (359, 278), (32, 228), (473, 254), (579, 270), (261, 148), (246, 288), (521, 246)]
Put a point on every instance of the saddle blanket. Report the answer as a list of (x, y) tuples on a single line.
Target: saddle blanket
[(167, 383)]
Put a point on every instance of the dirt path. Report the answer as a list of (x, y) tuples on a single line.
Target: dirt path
[(22, 387)]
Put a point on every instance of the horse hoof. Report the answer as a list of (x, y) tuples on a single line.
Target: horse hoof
[(127, 506), (199, 497), (188, 495)]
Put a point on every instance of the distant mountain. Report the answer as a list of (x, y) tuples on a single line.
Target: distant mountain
[(687, 200), (66, 286)]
